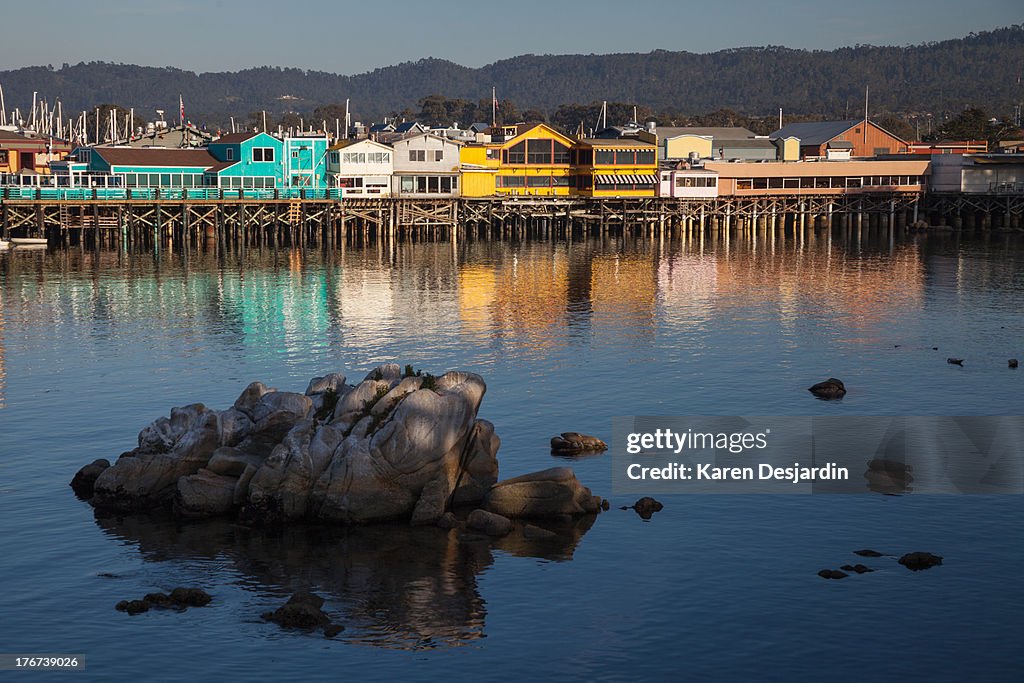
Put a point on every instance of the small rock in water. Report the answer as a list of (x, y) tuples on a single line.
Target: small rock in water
[(868, 553), (574, 443), (955, 361), (646, 507), (332, 630), (858, 568), (832, 574), (301, 611), (829, 390), (190, 597), (920, 560), (1012, 362), (132, 606), (935, 348)]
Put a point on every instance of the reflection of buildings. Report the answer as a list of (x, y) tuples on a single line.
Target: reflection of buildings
[(392, 586), (3, 361)]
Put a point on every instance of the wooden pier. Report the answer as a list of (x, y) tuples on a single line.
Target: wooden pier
[(145, 222)]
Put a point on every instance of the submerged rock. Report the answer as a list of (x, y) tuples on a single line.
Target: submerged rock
[(179, 598), (1012, 363), (832, 574), (858, 568), (647, 506), (574, 443), (920, 560), (489, 523), (828, 390), (85, 479), (955, 361), (301, 611), (867, 552)]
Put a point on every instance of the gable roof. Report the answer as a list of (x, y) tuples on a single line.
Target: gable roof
[(523, 128), (410, 126), (234, 138), (815, 132), (155, 156), (725, 132), (217, 168), (342, 144)]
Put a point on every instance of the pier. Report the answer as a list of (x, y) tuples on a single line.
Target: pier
[(184, 220)]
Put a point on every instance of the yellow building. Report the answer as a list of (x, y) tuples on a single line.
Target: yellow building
[(682, 146), (620, 167), (534, 161), (479, 166)]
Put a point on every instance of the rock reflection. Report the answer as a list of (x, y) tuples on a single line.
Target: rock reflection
[(391, 586)]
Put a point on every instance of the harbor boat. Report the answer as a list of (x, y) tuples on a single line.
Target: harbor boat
[(28, 241)]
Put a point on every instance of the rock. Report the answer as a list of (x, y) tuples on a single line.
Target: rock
[(85, 479), (132, 606), (489, 523), (647, 506), (169, 448), (159, 600), (832, 574), (574, 443), (250, 398), (332, 630), (357, 403), (550, 493), (301, 611), (605, 505), (190, 597), (234, 426), (920, 560), (448, 521), (231, 462), (859, 568), (829, 390), (278, 411), (955, 361), (204, 494), (868, 553), (1012, 363), (333, 382)]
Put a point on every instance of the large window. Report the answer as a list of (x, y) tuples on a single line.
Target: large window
[(645, 157), (604, 157), (538, 151), (262, 153), (417, 155), (538, 181), (516, 154), (438, 154), (625, 157)]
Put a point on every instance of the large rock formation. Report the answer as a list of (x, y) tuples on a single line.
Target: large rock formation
[(394, 446)]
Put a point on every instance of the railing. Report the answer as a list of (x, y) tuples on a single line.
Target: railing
[(168, 193)]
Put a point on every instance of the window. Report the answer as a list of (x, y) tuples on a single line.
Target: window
[(3, 156), (438, 154), (295, 154), (335, 158), (262, 153), (516, 154), (775, 183), (881, 150), (421, 184), (853, 182), (229, 154), (165, 179), (625, 157), (645, 157), (561, 153), (417, 155), (446, 184), (407, 183), (354, 158), (511, 181), (605, 157), (560, 181), (538, 181), (493, 154), (745, 184), (538, 151), (760, 183), (791, 183)]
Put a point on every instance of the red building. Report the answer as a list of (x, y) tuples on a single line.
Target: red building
[(856, 138)]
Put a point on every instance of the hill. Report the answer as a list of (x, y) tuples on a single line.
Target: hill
[(981, 69)]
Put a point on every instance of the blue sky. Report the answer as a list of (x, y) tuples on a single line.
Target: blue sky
[(217, 35)]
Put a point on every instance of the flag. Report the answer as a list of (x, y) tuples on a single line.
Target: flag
[(181, 109)]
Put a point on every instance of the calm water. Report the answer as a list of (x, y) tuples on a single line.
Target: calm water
[(567, 335)]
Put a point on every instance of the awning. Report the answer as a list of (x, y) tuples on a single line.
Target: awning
[(603, 179)]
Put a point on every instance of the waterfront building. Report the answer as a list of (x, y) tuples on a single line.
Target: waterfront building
[(533, 160), (25, 152), (130, 167), (978, 173), (688, 183), (478, 164), (829, 139), (622, 167), (751, 179), (262, 161), (361, 168), (706, 142), (426, 165)]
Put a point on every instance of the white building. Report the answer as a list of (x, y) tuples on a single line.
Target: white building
[(977, 173), (688, 183), (361, 168), (426, 166)]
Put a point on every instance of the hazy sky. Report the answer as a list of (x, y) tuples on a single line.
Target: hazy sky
[(348, 38)]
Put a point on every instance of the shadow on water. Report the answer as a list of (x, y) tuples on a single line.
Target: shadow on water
[(391, 585)]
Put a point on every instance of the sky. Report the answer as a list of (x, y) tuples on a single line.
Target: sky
[(351, 38)]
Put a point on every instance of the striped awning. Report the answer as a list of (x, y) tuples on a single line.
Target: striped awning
[(603, 179)]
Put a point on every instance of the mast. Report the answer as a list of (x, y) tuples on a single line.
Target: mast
[(3, 109), (865, 114)]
